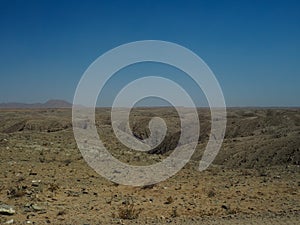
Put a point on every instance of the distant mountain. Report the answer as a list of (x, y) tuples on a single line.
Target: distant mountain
[(57, 104), (49, 104)]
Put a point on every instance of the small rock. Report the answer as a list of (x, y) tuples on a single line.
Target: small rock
[(9, 221), (36, 207), (6, 209), (148, 186), (84, 191), (30, 216), (27, 208), (224, 207), (169, 200), (35, 183), (178, 188), (61, 212), (31, 173)]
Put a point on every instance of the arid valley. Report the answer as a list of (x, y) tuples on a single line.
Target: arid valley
[(254, 179)]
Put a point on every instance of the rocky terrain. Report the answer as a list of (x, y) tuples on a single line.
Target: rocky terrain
[(255, 178)]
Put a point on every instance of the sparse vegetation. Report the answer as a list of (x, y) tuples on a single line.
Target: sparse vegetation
[(44, 173), (53, 187), (170, 200), (128, 212), (174, 212), (211, 193), (16, 192)]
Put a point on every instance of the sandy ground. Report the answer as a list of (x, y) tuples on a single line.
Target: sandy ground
[(46, 181)]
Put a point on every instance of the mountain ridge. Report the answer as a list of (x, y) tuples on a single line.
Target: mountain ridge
[(52, 103)]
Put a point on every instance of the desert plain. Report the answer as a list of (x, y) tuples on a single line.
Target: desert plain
[(255, 178)]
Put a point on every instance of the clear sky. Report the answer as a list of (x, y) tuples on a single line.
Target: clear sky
[(253, 47)]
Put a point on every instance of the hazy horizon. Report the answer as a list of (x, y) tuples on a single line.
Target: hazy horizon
[(154, 105)]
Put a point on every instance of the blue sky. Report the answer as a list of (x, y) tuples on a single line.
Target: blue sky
[(253, 47)]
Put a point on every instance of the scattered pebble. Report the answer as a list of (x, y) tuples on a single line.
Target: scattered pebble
[(6, 209), (35, 183), (10, 221), (36, 207)]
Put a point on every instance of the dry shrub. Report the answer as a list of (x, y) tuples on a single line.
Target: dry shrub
[(170, 200), (174, 212), (128, 212), (53, 187), (148, 186), (16, 192), (61, 212), (211, 193)]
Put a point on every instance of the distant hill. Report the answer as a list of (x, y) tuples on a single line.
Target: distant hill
[(49, 104)]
